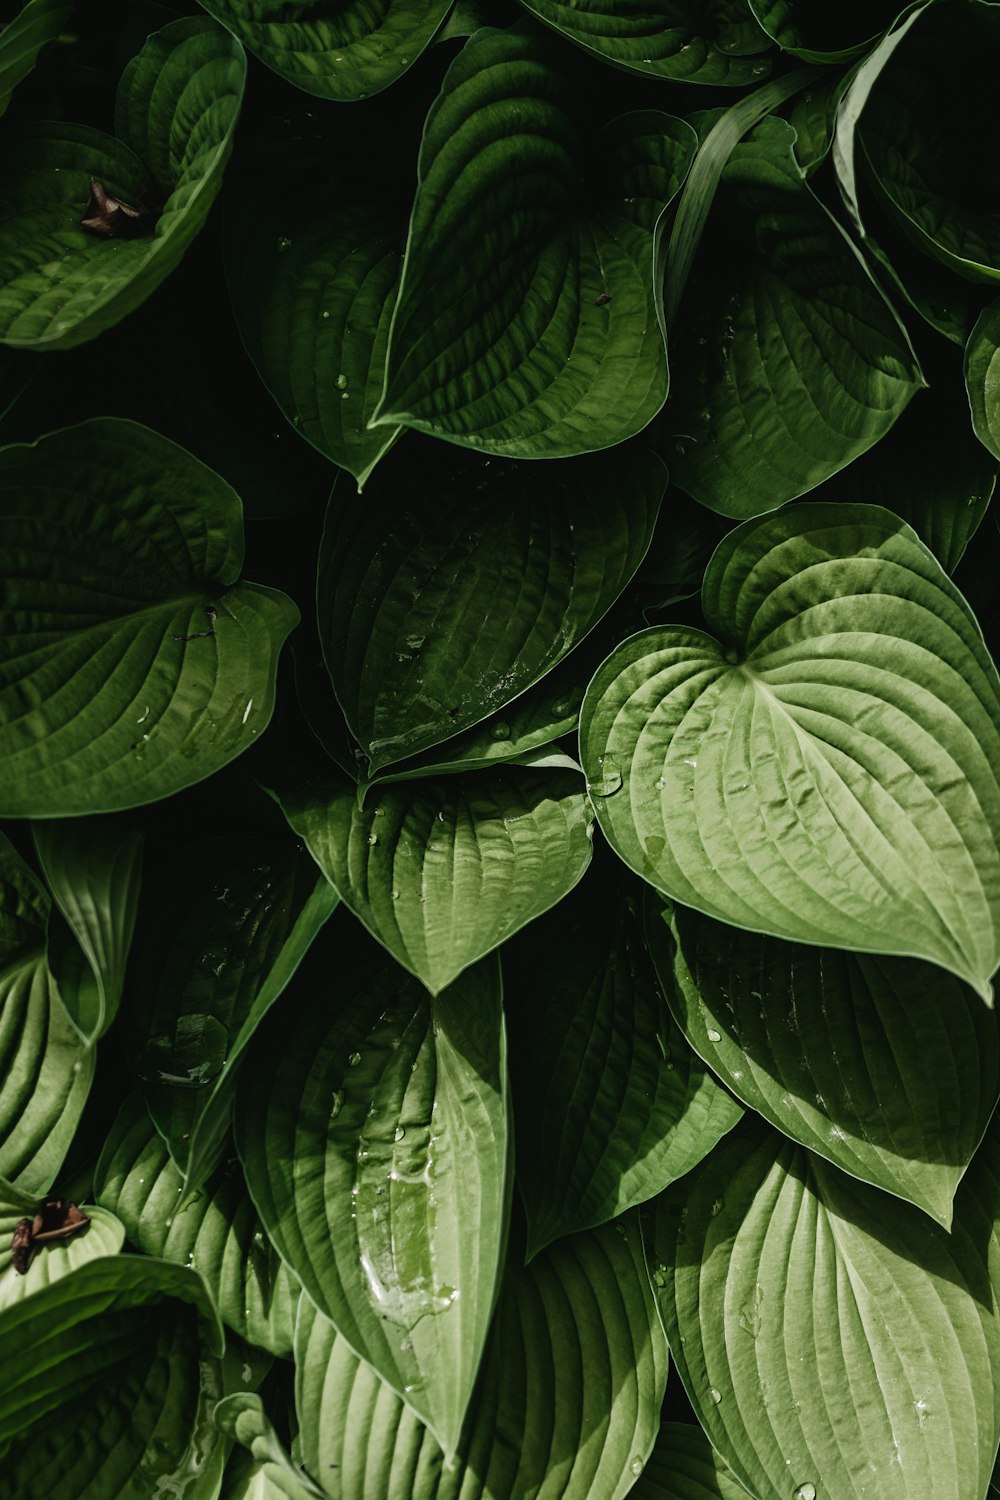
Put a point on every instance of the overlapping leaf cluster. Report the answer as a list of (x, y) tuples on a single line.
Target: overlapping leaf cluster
[(511, 990)]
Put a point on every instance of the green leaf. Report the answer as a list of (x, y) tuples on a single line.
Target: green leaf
[(826, 770), (888, 1067), (467, 579), (104, 1235), (45, 1068), (175, 115), (552, 345), (794, 362), (133, 662), (825, 33), (111, 1375), (374, 1138), (831, 1347), (93, 871), (685, 42), (36, 24), (567, 1407), (272, 1475), (982, 377), (611, 1099), (218, 1234), (247, 1479), (336, 49), (313, 272), (685, 1466), (442, 872)]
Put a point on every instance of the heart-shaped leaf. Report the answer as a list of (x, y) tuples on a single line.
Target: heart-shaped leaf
[(442, 872), (36, 24), (553, 345), (178, 102), (374, 1138), (467, 579), (132, 661), (103, 1235), (826, 770), (829, 1347)]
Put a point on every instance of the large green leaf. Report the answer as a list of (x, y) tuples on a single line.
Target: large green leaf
[(567, 1408), (36, 24), (111, 1376), (104, 1235), (336, 49), (794, 362), (217, 1234), (888, 1067), (175, 115), (374, 1138), (442, 872), (685, 1466), (467, 579), (826, 770), (266, 1472), (551, 345), (680, 40), (45, 1068), (132, 661), (824, 33), (613, 1104), (831, 1347), (982, 377)]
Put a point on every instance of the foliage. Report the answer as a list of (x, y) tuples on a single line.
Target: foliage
[(500, 743)]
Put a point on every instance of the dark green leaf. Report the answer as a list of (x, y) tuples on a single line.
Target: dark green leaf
[(685, 1466), (824, 33), (982, 377), (36, 24)]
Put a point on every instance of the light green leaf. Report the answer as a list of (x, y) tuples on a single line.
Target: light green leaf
[(552, 345), (467, 579), (794, 362), (567, 1408), (826, 770), (813, 117), (111, 1376), (175, 115), (104, 1235), (685, 1466), (829, 1346), (374, 1138), (313, 272), (888, 1067), (93, 869), (36, 24), (442, 872), (982, 377), (133, 663), (336, 49), (270, 1474), (45, 1068), (217, 1234), (613, 1102), (680, 40), (824, 33), (247, 1479)]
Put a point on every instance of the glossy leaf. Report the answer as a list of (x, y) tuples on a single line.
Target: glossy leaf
[(442, 872), (828, 1346), (36, 25), (177, 107), (825, 771), (336, 49), (217, 1234), (795, 363), (104, 1235), (824, 34), (374, 1138), (982, 377), (685, 1466), (567, 1408), (133, 662), (554, 345), (467, 579), (611, 1099)]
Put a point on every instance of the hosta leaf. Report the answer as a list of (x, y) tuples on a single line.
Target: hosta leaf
[(715, 43), (270, 1473), (374, 1138), (614, 1103), (888, 1067), (45, 1068), (336, 49), (313, 272), (93, 870), (467, 579), (132, 662), (829, 1347), (111, 1376), (175, 115), (685, 1466), (794, 362), (442, 872), (825, 771), (552, 345), (982, 377), (567, 1407), (826, 33), (217, 1234), (104, 1235), (36, 24)]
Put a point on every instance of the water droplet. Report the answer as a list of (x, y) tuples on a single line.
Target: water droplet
[(714, 1036), (500, 731), (395, 895), (660, 785), (246, 1375), (636, 1467), (192, 1057), (610, 779), (345, 395), (717, 1208), (326, 314), (373, 838), (354, 1059), (715, 1396), (284, 243), (399, 1133), (341, 382), (660, 1276), (336, 1105), (806, 1492)]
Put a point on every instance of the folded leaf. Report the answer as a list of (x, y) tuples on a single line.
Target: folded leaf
[(104, 1235)]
